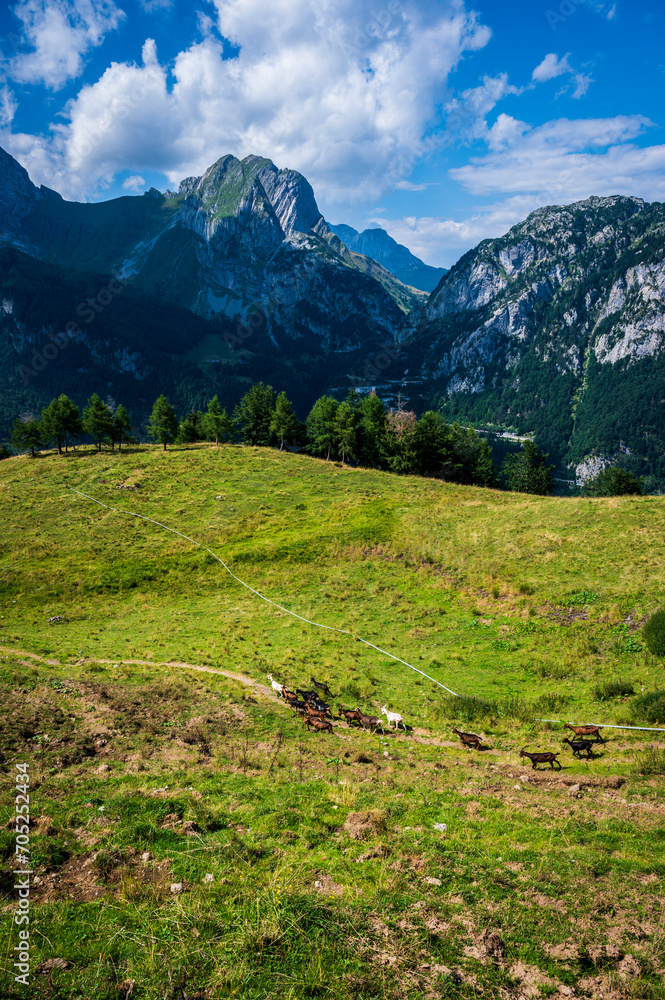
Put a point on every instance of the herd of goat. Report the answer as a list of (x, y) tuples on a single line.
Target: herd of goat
[(317, 715)]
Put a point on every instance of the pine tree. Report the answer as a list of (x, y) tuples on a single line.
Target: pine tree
[(163, 423), (283, 423), (345, 432), (97, 420), (321, 426), (254, 412), (122, 425), (27, 435), (216, 422), (372, 438), (191, 428), (529, 471), (60, 418)]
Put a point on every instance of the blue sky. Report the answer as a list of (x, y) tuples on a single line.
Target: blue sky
[(443, 122)]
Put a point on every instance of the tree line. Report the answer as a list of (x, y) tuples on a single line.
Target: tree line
[(359, 430)]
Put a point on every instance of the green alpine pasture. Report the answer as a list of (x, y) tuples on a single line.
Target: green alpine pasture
[(190, 839)]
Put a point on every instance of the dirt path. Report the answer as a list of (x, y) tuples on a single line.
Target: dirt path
[(241, 678)]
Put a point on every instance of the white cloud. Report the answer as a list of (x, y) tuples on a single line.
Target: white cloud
[(134, 183), (150, 6), (324, 86), (441, 242), (567, 159), (467, 113), (582, 81), (550, 67), (554, 164), (8, 106), (58, 34)]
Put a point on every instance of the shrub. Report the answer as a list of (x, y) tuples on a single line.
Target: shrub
[(613, 482), (613, 689), (654, 633), (649, 707), (650, 761)]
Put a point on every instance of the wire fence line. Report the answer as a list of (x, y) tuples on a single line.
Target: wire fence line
[(329, 628)]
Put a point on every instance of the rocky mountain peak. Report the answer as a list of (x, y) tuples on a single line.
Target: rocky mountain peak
[(18, 194)]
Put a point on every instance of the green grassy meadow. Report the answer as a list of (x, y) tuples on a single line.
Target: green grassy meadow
[(309, 864)]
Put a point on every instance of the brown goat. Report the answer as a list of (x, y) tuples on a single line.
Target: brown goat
[(351, 715), (586, 731), (541, 758), (319, 725), (370, 722), (469, 739), (315, 713)]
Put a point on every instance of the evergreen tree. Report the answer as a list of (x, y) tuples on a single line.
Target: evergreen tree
[(372, 438), (97, 420), (432, 445), (27, 435), (253, 414), (321, 426), (613, 482), (470, 459), (529, 471), (283, 423), (191, 428), (345, 432), (121, 427), (163, 423), (60, 418), (216, 423)]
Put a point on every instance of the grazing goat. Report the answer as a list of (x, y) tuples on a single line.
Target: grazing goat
[(579, 746), (541, 758), (277, 688), (314, 713), (469, 739), (393, 717), (306, 695), (322, 686), (370, 722), (586, 731), (320, 725), (350, 714)]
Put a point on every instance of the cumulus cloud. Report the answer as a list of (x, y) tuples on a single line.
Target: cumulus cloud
[(57, 34), (333, 88), (571, 157), (135, 183), (552, 66), (467, 114), (554, 164), (8, 106)]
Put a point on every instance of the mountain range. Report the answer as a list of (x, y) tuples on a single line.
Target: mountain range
[(555, 329)]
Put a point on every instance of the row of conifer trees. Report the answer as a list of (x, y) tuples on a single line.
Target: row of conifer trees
[(361, 430)]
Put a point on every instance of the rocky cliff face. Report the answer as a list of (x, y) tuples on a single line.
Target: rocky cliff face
[(243, 238), (557, 328), (377, 244)]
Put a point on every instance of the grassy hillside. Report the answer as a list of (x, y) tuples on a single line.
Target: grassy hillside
[(327, 875)]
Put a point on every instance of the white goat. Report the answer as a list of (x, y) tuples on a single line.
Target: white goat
[(393, 717), (277, 688)]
